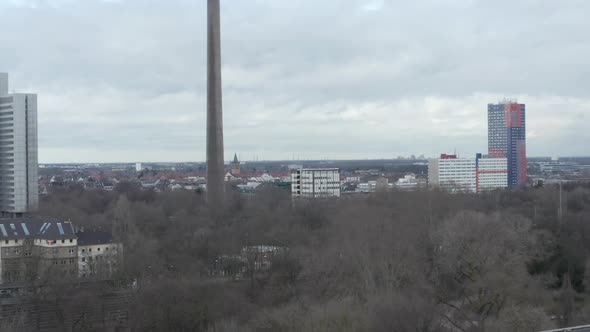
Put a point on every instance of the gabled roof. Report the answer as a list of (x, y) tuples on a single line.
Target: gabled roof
[(36, 228)]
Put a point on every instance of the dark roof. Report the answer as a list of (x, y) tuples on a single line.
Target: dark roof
[(94, 237), (36, 228)]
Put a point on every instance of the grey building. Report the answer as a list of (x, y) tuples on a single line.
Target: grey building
[(19, 189), (34, 249), (99, 255)]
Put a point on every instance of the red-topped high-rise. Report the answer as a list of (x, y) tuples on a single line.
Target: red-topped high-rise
[(507, 138)]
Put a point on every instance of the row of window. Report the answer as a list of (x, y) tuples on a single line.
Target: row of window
[(98, 249), (63, 241), (98, 258), (64, 262)]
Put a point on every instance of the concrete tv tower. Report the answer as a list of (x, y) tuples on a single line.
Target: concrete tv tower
[(215, 164)]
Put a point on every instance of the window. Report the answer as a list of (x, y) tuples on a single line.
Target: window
[(98, 249), (83, 259), (83, 250), (89, 249), (71, 261), (6, 242), (15, 241), (63, 241), (71, 240), (72, 251)]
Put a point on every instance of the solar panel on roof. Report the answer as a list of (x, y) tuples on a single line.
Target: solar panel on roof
[(24, 226), (3, 230), (14, 229), (46, 228), (61, 230)]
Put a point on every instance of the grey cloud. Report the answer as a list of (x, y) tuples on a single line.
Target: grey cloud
[(322, 78)]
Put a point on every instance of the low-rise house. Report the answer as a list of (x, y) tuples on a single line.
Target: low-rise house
[(409, 182)]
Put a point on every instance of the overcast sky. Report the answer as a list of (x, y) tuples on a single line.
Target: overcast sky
[(124, 80)]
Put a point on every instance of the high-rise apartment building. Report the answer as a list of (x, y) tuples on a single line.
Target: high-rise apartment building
[(315, 182), (507, 138), (19, 190), (467, 174)]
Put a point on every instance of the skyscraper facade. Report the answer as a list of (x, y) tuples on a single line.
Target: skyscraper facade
[(507, 138), (19, 189)]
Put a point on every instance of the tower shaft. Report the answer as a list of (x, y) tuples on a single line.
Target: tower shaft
[(215, 164)]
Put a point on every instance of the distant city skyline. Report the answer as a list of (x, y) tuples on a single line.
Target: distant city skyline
[(120, 81)]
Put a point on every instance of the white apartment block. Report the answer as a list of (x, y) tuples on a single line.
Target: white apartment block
[(468, 174), (454, 174), (315, 182), (492, 173), (19, 190)]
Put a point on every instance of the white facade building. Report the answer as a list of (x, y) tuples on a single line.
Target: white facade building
[(315, 182), (352, 179), (408, 182), (19, 189), (455, 174), (468, 174), (492, 173)]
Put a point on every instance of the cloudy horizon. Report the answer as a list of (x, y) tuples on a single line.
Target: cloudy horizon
[(124, 80)]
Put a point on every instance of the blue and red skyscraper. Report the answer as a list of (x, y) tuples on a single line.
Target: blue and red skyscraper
[(507, 138)]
